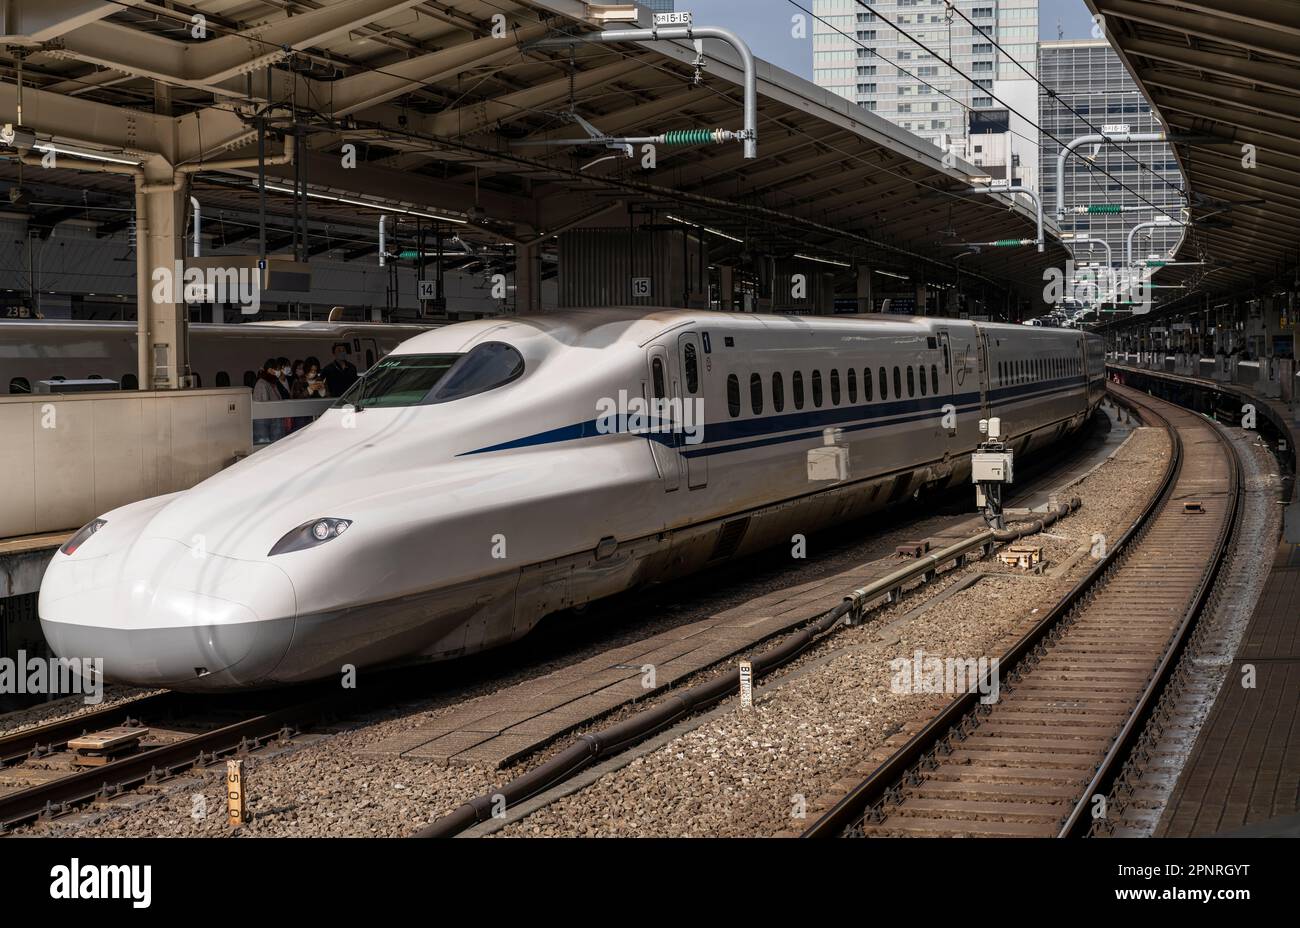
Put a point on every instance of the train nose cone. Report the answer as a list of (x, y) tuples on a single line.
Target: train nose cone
[(158, 615)]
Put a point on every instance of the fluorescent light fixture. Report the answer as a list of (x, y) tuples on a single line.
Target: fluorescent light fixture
[(892, 274), (378, 207), (92, 156), (711, 231), (824, 261)]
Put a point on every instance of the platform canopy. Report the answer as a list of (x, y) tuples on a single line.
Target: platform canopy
[(444, 103), (1227, 73)]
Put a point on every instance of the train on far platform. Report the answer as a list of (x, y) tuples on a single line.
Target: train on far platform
[(36, 355), (486, 474)]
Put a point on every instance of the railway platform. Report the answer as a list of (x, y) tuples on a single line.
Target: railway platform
[(1243, 776)]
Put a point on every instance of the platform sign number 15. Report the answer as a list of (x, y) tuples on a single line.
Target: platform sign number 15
[(641, 288)]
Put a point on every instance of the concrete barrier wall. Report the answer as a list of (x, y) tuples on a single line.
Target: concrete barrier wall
[(67, 459)]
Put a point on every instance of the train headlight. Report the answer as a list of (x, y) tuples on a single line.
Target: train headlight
[(83, 533), (310, 534)]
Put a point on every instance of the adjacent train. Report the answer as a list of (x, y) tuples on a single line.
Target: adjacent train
[(36, 355), (486, 474)]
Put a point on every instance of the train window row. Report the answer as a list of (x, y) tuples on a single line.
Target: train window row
[(1032, 369), (916, 376), (130, 381)]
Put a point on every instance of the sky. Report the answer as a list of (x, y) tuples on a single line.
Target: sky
[(766, 25)]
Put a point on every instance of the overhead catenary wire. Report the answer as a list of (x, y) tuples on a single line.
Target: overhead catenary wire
[(875, 169), (971, 80)]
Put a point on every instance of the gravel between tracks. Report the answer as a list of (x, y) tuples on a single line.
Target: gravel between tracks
[(737, 775), (746, 772)]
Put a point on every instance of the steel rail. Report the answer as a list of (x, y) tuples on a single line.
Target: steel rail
[(851, 808)]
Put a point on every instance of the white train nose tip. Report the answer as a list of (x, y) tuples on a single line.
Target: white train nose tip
[(159, 616), (192, 658)]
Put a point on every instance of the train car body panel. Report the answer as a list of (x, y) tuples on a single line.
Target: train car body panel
[(587, 452)]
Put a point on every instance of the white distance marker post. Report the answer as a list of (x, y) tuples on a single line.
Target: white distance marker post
[(235, 808), (746, 685)]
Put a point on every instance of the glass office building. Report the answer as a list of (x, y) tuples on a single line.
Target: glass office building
[(869, 61), (1089, 76), (658, 6)]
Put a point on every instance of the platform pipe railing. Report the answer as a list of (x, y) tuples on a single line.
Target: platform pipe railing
[(675, 33)]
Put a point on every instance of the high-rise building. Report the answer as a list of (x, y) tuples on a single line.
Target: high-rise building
[(1089, 76), (871, 62), (658, 6)]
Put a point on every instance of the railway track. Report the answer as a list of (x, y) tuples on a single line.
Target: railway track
[(1075, 692)]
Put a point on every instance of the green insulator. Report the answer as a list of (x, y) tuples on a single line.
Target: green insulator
[(1104, 208), (1006, 242), (688, 136)]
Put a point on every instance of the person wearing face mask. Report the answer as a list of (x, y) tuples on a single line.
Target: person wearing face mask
[(285, 372), (309, 385), (267, 389)]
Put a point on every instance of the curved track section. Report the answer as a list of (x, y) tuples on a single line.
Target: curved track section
[(1075, 691)]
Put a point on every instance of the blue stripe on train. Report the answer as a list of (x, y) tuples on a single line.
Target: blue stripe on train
[(849, 417)]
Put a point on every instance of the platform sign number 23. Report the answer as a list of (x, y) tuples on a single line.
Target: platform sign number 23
[(641, 288)]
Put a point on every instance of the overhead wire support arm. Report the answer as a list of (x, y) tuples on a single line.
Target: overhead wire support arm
[(1033, 195), (748, 135)]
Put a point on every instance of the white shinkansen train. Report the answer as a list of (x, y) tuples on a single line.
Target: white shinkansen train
[(488, 473), (220, 355)]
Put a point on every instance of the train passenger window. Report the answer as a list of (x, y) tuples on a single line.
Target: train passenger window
[(884, 385), (19, 385), (756, 393), (250, 379), (130, 382), (817, 388), (911, 382), (920, 372), (898, 383), (947, 361), (733, 395), (198, 381), (657, 379), (866, 385), (934, 378), (835, 386), (778, 392), (223, 379), (853, 385), (692, 365), (370, 358), (798, 389)]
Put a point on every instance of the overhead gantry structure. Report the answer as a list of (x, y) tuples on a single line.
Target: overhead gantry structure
[(464, 111)]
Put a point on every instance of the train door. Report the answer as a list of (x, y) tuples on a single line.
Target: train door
[(985, 371), (947, 378), (691, 393), (662, 446)]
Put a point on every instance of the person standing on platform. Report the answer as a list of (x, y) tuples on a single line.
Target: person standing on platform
[(268, 389), (340, 373)]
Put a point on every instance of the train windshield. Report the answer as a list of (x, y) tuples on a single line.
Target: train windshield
[(421, 379)]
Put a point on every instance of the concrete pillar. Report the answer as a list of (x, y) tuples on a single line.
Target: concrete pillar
[(866, 303), (921, 295), (726, 288), (528, 279), (163, 322)]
